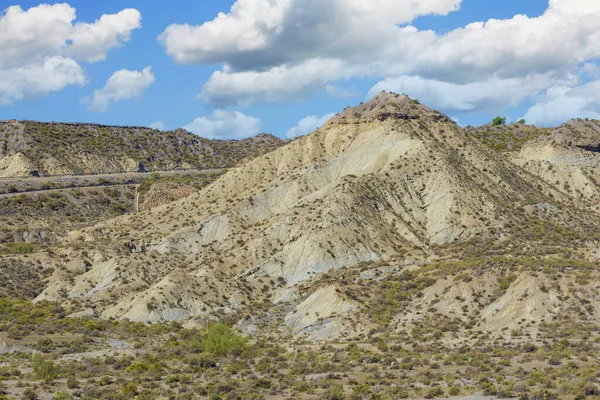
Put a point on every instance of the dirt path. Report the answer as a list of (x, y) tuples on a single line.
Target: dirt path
[(68, 182), (58, 178)]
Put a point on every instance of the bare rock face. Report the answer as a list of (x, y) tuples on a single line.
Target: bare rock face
[(319, 317), (15, 165)]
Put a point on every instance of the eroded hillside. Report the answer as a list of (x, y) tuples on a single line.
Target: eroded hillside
[(390, 245), (387, 177)]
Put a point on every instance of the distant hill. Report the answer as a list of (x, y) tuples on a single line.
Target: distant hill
[(507, 137), (31, 148)]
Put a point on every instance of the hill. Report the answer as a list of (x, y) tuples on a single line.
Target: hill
[(386, 178), (28, 147), (389, 254)]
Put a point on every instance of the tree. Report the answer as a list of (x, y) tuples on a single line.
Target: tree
[(522, 121), (499, 121), (220, 340)]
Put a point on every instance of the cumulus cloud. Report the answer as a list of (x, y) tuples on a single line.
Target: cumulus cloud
[(307, 125), (160, 125), (491, 94), (48, 30), (279, 83), (38, 46), (225, 124), (39, 79), (264, 41), (91, 42), (122, 85), (264, 33), (561, 103)]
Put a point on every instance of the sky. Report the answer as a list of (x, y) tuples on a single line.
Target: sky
[(231, 69)]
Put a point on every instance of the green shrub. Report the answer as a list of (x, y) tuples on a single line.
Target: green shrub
[(30, 394), (335, 392), (130, 390), (220, 340), (434, 393), (499, 121), (43, 369), (21, 248), (63, 396)]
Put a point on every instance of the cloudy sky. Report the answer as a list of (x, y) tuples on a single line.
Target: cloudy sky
[(232, 69)]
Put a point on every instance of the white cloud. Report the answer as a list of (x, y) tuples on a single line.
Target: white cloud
[(279, 83), (561, 103), (90, 42), (160, 125), (491, 94), (122, 85), (225, 124), (39, 79), (34, 34), (264, 41), (39, 44), (48, 30), (307, 125), (262, 30)]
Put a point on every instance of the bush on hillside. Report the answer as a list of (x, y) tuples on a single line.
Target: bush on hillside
[(220, 340), (499, 121)]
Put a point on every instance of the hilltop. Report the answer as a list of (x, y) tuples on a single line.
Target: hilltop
[(29, 147)]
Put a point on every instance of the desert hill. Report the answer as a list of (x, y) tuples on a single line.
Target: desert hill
[(389, 254), (387, 186), (28, 147)]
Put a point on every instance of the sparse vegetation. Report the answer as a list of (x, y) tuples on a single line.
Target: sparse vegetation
[(442, 269), (147, 149)]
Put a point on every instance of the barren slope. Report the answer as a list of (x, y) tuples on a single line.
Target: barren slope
[(377, 180)]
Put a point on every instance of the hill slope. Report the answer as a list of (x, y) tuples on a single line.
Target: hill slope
[(389, 184), (60, 148), (389, 254)]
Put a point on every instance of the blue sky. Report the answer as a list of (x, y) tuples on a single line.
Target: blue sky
[(274, 65)]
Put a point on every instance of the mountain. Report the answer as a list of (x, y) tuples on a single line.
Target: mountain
[(382, 188), (28, 147), (389, 254)]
